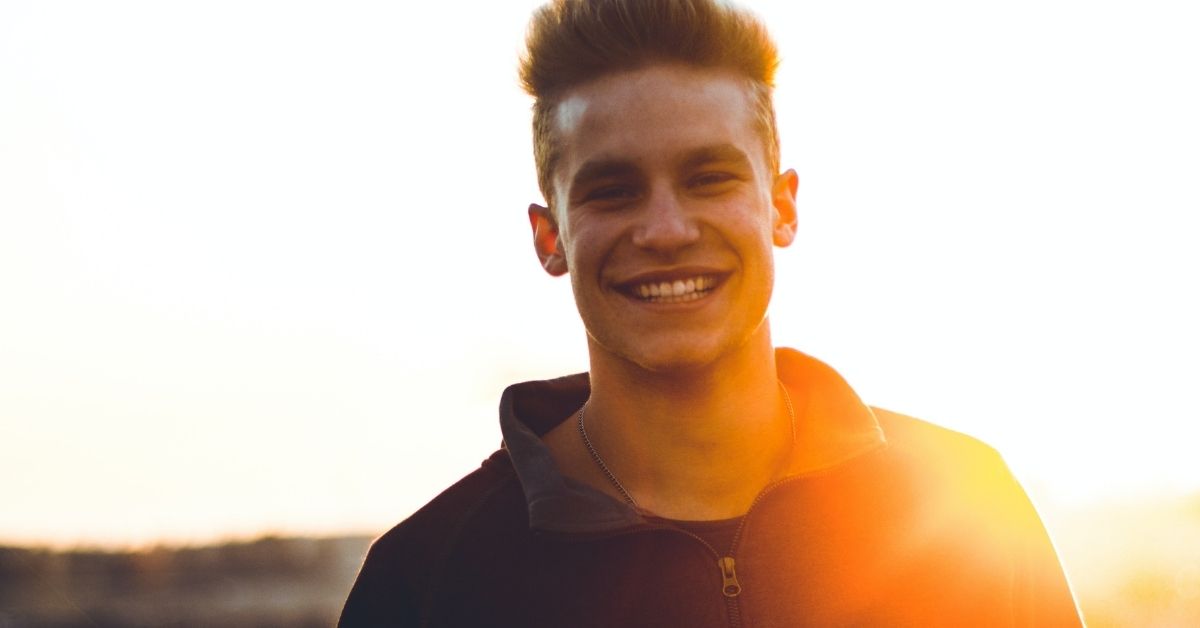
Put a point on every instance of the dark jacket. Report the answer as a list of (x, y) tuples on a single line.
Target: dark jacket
[(882, 520)]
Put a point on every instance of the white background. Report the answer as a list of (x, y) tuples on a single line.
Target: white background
[(264, 266)]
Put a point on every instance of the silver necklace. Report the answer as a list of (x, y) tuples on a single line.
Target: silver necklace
[(787, 400)]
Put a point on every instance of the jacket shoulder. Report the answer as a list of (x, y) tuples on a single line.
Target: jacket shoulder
[(969, 501), (403, 565), (947, 459), (966, 475), (912, 434)]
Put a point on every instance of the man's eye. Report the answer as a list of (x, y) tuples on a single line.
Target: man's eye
[(712, 179), (610, 193)]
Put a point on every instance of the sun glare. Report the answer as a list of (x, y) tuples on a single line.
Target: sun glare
[(265, 267)]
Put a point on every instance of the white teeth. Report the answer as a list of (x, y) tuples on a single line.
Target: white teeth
[(676, 291)]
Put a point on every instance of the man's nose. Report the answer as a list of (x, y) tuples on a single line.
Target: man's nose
[(664, 223)]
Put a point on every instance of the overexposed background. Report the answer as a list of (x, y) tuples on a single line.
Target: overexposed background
[(264, 266)]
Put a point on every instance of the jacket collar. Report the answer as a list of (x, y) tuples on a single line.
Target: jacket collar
[(832, 427)]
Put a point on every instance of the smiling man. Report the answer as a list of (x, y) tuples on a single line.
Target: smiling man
[(696, 475)]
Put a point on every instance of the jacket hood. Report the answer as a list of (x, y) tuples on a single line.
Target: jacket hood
[(832, 427)]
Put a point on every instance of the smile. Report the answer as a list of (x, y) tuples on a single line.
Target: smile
[(675, 291)]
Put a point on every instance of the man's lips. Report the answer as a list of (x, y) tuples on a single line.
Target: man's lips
[(677, 286)]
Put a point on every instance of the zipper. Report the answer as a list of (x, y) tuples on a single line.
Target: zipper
[(729, 582), (730, 587)]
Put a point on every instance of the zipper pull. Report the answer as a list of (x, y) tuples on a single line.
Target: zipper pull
[(729, 582)]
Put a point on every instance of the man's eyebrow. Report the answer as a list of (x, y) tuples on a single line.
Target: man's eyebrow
[(603, 169), (727, 153)]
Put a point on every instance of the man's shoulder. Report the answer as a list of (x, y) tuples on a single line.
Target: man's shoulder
[(962, 499), (910, 435), (402, 564), (955, 475), (477, 494)]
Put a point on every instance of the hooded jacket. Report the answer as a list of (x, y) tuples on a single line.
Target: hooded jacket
[(880, 520)]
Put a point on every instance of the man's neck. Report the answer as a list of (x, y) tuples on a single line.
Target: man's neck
[(690, 444)]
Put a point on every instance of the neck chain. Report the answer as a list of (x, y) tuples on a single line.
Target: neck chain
[(787, 399)]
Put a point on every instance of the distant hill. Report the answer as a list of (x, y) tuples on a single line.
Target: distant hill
[(292, 582)]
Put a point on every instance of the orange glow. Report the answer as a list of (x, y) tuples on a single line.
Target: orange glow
[(230, 308)]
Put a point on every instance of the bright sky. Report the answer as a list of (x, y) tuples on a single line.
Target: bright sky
[(264, 266)]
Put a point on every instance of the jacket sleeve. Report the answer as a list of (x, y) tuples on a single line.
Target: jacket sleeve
[(384, 593), (1041, 593)]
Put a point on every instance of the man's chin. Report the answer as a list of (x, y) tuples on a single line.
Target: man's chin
[(677, 359)]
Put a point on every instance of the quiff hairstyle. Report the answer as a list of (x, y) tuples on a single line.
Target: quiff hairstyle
[(572, 42)]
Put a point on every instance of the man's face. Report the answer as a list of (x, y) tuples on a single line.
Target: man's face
[(665, 214)]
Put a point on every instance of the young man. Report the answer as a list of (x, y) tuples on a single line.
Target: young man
[(697, 475)]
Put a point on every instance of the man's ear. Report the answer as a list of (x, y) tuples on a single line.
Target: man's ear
[(783, 197), (545, 240)]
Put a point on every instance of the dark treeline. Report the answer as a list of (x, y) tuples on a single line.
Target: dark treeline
[(268, 582)]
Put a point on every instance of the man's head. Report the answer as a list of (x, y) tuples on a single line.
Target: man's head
[(657, 154), (573, 42)]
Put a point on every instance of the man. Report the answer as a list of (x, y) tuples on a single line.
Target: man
[(697, 475)]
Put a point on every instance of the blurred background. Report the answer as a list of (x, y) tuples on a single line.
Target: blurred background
[(265, 270)]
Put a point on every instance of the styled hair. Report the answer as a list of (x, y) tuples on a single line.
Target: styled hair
[(572, 42)]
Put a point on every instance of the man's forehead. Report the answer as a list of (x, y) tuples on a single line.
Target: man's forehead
[(633, 87)]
